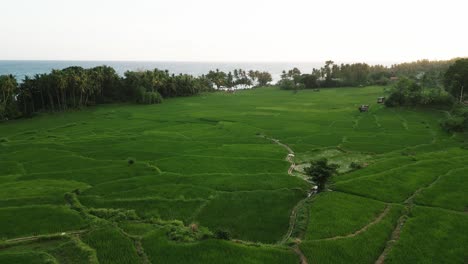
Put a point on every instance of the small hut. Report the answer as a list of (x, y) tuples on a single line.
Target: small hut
[(380, 100), (364, 108)]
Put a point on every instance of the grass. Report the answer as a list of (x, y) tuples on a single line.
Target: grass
[(448, 192), (27, 257), (432, 236), (345, 214), (27, 192), (59, 249), (363, 248), (159, 249), (202, 160), (264, 217), (111, 246), (38, 220)]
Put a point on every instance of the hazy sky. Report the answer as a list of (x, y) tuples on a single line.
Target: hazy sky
[(240, 30)]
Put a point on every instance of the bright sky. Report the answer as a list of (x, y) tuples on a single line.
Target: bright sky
[(234, 30)]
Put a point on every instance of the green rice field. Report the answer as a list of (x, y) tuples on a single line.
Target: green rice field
[(201, 180)]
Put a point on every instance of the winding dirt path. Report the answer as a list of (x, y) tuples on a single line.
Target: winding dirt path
[(290, 155), (402, 220), (292, 220), (301, 255), (394, 237), (293, 217)]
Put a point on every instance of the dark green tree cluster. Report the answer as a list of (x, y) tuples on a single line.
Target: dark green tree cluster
[(142, 86), (320, 171), (73, 87), (456, 83), (427, 73), (409, 92), (8, 95), (421, 66), (76, 87), (293, 80), (333, 75), (239, 78), (456, 80)]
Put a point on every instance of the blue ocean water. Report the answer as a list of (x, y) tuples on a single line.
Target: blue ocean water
[(22, 68)]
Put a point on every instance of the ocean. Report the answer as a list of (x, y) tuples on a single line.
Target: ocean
[(22, 68)]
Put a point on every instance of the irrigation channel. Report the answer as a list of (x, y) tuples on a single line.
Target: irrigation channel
[(300, 204)]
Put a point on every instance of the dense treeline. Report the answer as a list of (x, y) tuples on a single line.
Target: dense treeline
[(76, 87), (361, 74), (239, 78), (409, 92), (446, 90)]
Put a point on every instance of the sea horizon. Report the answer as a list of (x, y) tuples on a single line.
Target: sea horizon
[(22, 68)]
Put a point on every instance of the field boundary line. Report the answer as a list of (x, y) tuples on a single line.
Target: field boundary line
[(292, 219), (410, 199), (363, 229), (289, 157), (32, 238), (395, 236)]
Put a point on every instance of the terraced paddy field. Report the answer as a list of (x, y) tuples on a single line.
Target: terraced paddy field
[(163, 183)]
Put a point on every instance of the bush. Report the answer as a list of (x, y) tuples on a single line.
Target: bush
[(131, 161), (223, 234), (193, 232), (355, 165), (114, 214), (287, 84), (458, 121), (145, 97)]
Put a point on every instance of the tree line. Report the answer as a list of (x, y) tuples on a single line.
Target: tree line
[(76, 87), (363, 74), (239, 78), (447, 90)]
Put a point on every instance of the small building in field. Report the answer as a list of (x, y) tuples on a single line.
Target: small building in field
[(381, 100), (364, 108)]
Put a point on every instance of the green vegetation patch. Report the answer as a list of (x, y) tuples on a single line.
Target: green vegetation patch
[(365, 247), (432, 236), (450, 191), (160, 249), (256, 216), (111, 246), (166, 209), (398, 184), (37, 191), (337, 214), (27, 257), (37, 220)]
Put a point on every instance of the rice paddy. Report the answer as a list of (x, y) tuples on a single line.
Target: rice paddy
[(121, 174)]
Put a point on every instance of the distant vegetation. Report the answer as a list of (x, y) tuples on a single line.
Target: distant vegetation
[(429, 73), (76, 87), (420, 83)]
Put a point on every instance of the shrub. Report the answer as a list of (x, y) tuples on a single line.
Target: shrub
[(189, 233), (355, 165), (131, 161), (223, 234), (287, 84), (114, 214), (458, 120), (145, 97)]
